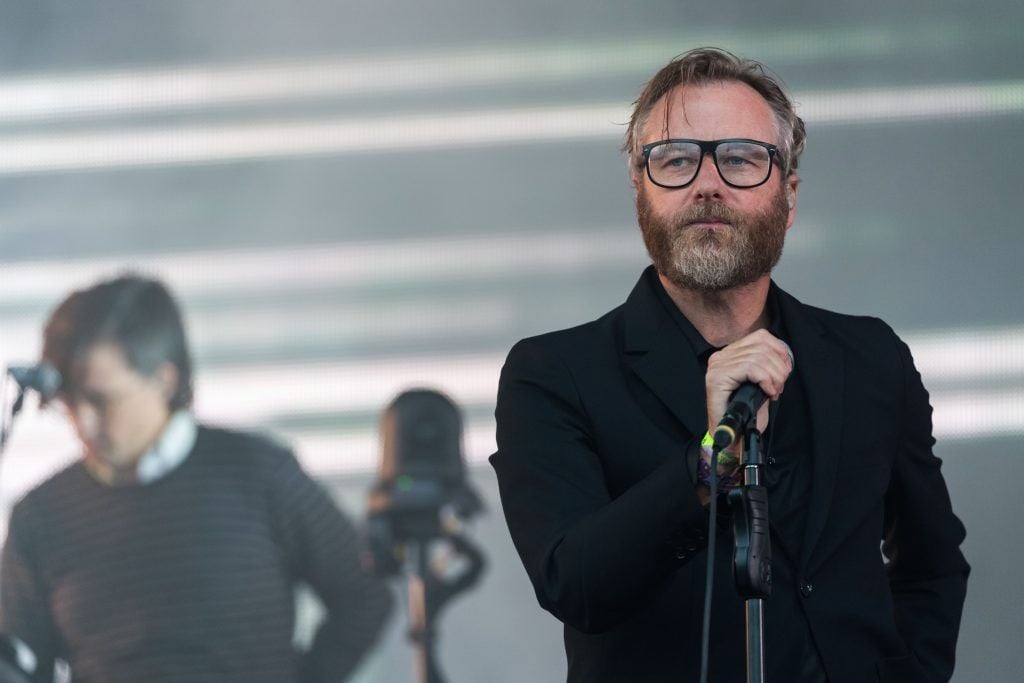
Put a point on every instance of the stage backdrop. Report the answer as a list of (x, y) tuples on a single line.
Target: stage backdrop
[(354, 198)]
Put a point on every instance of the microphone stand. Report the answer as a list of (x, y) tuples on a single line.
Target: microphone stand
[(752, 561), (429, 592), (7, 418), (421, 618)]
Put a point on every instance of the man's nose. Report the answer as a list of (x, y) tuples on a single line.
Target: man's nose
[(708, 184)]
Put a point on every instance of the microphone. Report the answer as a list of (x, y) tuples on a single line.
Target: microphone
[(742, 408), (42, 377)]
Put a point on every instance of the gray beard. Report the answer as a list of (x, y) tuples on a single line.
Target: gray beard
[(705, 264), (710, 261)]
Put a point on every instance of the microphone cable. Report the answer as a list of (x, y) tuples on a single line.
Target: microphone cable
[(705, 638)]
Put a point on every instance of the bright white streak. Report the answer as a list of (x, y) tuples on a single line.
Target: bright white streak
[(199, 144)]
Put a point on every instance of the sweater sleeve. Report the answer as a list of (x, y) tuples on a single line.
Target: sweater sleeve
[(322, 549), (24, 598)]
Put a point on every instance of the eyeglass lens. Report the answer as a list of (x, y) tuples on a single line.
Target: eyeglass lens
[(675, 164)]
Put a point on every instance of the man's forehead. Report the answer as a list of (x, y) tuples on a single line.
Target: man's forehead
[(720, 109), (99, 365)]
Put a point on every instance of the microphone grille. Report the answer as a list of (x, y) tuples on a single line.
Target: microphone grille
[(49, 381)]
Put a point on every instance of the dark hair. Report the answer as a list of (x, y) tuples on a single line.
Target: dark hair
[(136, 313), (707, 65)]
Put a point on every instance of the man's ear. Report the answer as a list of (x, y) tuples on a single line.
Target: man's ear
[(792, 189), (167, 377)]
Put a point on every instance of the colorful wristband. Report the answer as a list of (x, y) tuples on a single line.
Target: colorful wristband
[(724, 457), (726, 481)]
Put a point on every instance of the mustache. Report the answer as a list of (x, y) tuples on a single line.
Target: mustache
[(709, 211)]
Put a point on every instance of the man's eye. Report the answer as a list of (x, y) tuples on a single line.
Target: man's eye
[(97, 401), (734, 161), (679, 162)]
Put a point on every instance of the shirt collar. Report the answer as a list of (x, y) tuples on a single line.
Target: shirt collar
[(701, 348), (166, 454)]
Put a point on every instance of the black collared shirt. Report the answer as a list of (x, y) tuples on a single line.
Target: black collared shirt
[(787, 474), (788, 453)]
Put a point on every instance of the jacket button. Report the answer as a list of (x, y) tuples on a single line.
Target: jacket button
[(806, 588), (681, 554)]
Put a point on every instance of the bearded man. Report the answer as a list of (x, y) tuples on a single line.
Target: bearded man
[(603, 475)]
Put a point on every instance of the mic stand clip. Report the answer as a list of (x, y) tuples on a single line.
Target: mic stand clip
[(752, 557)]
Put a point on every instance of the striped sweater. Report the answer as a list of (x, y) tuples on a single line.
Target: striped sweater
[(189, 578)]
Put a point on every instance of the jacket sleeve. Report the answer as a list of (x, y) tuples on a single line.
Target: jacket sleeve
[(593, 559), (927, 571), (323, 550)]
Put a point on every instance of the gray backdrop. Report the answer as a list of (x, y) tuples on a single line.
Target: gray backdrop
[(354, 198)]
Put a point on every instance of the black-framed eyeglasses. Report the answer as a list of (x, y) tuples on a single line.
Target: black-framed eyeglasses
[(742, 163)]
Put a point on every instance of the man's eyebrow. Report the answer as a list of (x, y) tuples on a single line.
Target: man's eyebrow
[(86, 394)]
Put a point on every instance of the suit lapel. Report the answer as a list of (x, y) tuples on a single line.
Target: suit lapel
[(821, 371), (660, 356)]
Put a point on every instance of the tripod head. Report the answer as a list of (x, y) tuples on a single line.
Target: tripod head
[(421, 491)]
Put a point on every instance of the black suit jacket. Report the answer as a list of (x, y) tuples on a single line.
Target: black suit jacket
[(594, 425)]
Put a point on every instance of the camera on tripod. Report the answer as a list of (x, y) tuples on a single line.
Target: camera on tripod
[(420, 500)]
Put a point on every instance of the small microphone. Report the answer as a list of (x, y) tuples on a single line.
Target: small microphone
[(42, 377), (743, 406)]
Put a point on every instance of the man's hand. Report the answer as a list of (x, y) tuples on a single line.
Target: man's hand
[(759, 357)]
